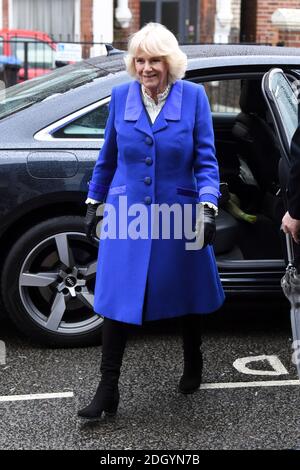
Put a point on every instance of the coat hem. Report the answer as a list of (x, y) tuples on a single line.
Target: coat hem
[(159, 317)]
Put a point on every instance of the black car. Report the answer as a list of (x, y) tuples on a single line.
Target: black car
[(51, 130)]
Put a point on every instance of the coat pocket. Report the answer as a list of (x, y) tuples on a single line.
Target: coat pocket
[(117, 190), (187, 192)]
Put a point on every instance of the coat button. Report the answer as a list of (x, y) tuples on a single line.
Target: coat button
[(148, 161), (149, 140), (147, 180), (148, 200)]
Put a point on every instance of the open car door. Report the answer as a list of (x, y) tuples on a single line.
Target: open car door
[(282, 101)]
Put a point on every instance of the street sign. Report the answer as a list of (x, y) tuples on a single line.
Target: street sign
[(68, 52)]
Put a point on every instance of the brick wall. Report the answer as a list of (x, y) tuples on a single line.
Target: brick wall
[(86, 25), (265, 32), (121, 35), (5, 13), (207, 20), (86, 20), (289, 38)]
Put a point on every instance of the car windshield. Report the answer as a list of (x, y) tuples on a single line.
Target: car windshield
[(61, 80)]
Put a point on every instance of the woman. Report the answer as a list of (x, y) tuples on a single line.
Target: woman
[(158, 150)]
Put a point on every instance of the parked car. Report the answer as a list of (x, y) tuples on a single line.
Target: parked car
[(51, 130), (41, 50)]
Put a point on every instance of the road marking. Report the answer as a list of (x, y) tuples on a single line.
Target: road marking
[(262, 383), (275, 363), (37, 396)]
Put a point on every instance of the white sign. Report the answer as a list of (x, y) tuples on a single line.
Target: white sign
[(68, 52)]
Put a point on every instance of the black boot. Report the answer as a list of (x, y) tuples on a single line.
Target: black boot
[(114, 336), (193, 362)]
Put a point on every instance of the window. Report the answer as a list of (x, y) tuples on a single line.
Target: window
[(89, 126), (170, 16), (286, 102), (148, 12), (1, 45), (40, 54), (52, 17), (162, 11), (224, 95)]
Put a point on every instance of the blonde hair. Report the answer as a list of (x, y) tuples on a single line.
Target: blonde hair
[(156, 40)]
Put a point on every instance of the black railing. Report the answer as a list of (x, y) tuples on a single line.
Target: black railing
[(38, 57)]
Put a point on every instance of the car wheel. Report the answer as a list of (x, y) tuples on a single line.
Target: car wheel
[(48, 284)]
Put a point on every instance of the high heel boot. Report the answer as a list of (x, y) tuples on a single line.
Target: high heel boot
[(192, 355), (106, 399)]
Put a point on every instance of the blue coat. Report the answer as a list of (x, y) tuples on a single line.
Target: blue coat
[(171, 161)]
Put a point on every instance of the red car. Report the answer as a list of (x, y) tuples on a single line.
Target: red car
[(41, 50)]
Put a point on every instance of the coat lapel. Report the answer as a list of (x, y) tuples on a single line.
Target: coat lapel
[(135, 110)]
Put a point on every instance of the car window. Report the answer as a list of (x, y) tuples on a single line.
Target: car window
[(40, 54), (38, 89), (224, 95), (286, 102), (89, 126), (1, 45)]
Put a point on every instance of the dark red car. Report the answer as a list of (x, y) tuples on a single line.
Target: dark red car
[(41, 50)]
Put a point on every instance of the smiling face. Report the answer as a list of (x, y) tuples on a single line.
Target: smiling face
[(152, 72)]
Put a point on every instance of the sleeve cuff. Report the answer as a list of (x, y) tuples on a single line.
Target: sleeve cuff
[(209, 198), (212, 206), (92, 201), (209, 190)]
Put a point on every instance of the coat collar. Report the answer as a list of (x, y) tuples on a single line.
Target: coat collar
[(135, 110)]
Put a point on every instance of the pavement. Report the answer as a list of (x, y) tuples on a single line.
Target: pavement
[(241, 406)]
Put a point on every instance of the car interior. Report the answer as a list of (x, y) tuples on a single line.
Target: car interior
[(251, 209)]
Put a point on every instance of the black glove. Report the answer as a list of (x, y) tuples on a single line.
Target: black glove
[(209, 226), (91, 220)]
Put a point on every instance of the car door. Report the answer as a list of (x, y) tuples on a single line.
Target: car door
[(282, 101)]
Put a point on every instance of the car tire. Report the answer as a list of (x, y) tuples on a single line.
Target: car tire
[(48, 281)]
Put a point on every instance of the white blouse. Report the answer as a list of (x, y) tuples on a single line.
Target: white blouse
[(153, 108)]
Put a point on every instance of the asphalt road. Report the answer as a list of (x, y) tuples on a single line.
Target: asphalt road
[(261, 412)]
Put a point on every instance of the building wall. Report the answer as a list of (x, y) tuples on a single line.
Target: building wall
[(207, 20), (235, 25), (5, 13), (289, 38), (121, 35), (265, 32), (86, 20), (86, 25)]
